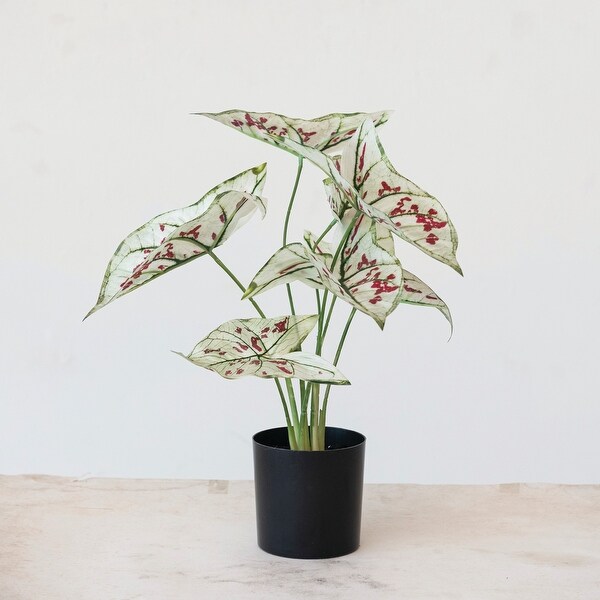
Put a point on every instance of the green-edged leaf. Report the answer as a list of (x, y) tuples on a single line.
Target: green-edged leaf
[(178, 236), (365, 275), (415, 291), (264, 348), (290, 263), (394, 201), (321, 133)]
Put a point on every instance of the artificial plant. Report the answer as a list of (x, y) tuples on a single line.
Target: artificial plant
[(371, 201)]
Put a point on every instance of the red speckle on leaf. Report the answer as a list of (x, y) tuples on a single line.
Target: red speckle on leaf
[(238, 330), (430, 222), (227, 372), (281, 326), (284, 271), (411, 290), (431, 297), (240, 347), (239, 371), (168, 252), (383, 287), (432, 239), (254, 342), (263, 119), (147, 250), (222, 217), (287, 371), (306, 135), (237, 123), (162, 226), (264, 330), (375, 299), (264, 373), (351, 132), (221, 353), (194, 232), (385, 187), (361, 162), (126, 284), (399, 209), (365, 262), (161, 267), (213, 235)]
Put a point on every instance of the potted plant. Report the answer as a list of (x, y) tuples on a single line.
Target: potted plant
[(308, 476)]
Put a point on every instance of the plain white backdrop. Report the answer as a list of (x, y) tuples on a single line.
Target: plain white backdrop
[(496, 113)]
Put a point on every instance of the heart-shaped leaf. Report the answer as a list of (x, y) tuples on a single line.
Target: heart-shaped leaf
[(394, 201), (264, 348), (179, 236), (321, 133)]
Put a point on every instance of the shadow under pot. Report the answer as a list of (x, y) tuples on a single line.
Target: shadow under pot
[(308, 503)]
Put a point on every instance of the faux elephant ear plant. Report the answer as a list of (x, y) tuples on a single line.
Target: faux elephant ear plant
[(371, 201)]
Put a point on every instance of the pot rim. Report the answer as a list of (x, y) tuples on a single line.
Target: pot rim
[(358, 433)]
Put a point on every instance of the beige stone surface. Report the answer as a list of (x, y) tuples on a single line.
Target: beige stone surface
[(118, 539)]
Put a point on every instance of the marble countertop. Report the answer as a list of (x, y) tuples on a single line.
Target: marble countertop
[(128, 539)]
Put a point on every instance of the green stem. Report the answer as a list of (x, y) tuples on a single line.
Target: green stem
[(286, 224), (237, 282), (314, 418), (322, 306), (344, 239), (292, 397), (326, 326), (327, 229), (335, 362)]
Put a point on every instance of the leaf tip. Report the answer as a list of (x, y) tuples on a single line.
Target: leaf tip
[(259, 169), (90, 312)]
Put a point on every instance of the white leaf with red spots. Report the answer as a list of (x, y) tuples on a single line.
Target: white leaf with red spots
[(264, 348), (365, 274), (394, 201), (290, 263), (321, 133), (179, 236), (415, 291)]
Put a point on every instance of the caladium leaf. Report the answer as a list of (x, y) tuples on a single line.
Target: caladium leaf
[(415, 291), (179, 236), (394, 201), (377, 291), (321, 133), (264, 348), (365, 275)]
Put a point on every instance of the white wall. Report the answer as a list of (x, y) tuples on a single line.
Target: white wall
[(496, 114)]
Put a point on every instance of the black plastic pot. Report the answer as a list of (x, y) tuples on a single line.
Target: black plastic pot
[(308, 504)]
